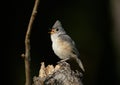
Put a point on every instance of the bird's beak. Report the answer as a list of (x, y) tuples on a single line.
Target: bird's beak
[(51, 31)]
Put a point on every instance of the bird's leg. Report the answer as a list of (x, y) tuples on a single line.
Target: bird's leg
[(63, 60)]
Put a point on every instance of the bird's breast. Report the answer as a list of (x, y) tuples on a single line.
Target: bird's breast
[(61, 48)]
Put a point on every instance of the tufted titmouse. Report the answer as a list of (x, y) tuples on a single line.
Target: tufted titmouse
[(63, 46)]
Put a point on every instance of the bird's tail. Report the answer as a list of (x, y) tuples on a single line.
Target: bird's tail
[(76, 63), (80, 64)]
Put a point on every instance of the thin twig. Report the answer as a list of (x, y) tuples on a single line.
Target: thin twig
[(27, 43)]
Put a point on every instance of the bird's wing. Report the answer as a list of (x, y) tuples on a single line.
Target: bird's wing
[(74, 50), (68, 39)]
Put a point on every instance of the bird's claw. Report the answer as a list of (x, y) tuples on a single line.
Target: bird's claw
[(63, 60)]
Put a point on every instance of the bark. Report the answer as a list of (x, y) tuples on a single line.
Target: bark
[(61, 74)]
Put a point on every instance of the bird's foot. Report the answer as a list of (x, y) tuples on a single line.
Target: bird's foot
[(63, 60)]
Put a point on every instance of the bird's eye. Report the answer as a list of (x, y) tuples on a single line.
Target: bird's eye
[(57, 29)]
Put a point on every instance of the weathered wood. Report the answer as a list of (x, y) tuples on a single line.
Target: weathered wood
[(61, 74)]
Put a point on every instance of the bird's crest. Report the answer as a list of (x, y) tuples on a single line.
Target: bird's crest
[(57, 24)]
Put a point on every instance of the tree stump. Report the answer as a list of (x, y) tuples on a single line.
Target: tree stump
[(61, 74)]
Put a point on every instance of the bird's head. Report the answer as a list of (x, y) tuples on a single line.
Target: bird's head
[(57, 28)]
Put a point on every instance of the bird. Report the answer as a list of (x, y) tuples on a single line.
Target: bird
[(63, 46)]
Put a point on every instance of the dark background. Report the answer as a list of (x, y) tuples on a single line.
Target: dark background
[(88, 22)]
